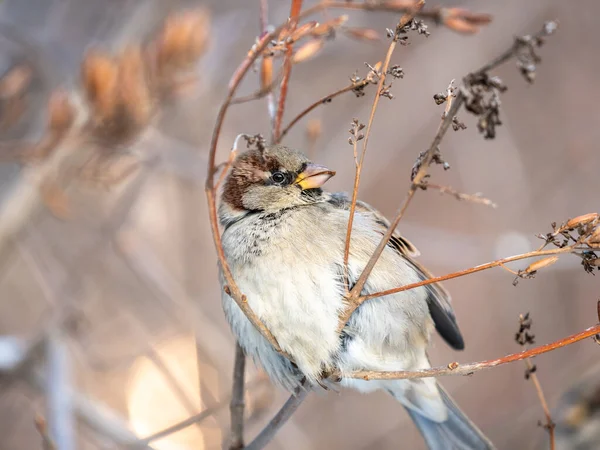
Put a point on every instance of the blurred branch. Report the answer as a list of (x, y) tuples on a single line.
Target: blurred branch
[(195, 419), (237, 403), (58, 381), (455, 368), (282, 416)]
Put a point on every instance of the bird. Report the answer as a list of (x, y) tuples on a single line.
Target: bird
[(283, 238)]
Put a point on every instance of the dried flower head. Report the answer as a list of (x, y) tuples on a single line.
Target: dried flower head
[(363, 34), (100, 76), (61, 113), (134, 89), (183, 40), (308, 51), (524, 335), (540, 264)]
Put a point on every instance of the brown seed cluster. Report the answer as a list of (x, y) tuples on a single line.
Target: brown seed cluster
[(124, 91), (13, 88)]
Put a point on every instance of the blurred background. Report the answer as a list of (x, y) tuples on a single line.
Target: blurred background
[(109, 295)]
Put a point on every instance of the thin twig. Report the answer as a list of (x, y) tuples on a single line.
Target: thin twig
[(321, 101), (471, 270), (195, 419), (473, 198), (287, 69), (236, 407), (61, 418), (405, 19), (42, 428), (470, 368), (550, 425), (282, 416)]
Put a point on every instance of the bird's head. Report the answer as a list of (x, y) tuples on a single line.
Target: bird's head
[(275, 178)]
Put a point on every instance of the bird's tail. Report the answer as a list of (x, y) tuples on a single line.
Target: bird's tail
[(457, 432)]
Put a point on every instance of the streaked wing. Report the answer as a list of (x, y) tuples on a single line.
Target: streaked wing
[(438, 299)]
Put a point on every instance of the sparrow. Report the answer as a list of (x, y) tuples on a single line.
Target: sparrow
[(283, 238)]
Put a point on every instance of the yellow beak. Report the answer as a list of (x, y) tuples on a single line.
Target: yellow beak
[(313, 176)]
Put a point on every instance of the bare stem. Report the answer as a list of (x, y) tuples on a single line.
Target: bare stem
[(287, 70), (314, 105), (237, 404), (405, 19), (282, 416), (471, 270), (540, 393), (473, 198), (468, 369)]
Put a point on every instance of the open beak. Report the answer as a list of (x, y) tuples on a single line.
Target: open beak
[(313, 176)]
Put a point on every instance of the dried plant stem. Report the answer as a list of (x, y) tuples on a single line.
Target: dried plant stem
[(471, 270), (321, 101), (287, 70), (470, 368), (354, 298), (351, 217), (236, 407), (282, 416), (405, 19), (540, 393), (210, 190), (473, 198)]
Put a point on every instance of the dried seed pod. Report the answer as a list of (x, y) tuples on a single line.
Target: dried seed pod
[(327, 28), (100, 75), (313, 129), (401, 5), (184, 38), (460, 25), (595, 237), (540, 264), (134, 89), (307, 51), (61, 113), (582, 220), (303, 30), (15, 81), (363, 34)]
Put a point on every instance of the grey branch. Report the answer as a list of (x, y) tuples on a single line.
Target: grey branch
[(282, 416)]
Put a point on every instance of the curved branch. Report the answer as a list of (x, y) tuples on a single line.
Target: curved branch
[(470, 368)]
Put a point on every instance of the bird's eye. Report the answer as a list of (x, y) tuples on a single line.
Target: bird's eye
[(278, 177)]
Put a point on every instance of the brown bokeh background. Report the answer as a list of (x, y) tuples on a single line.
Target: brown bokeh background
[(139, 269)]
